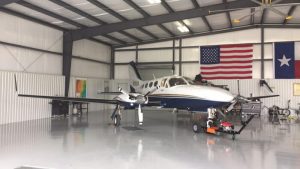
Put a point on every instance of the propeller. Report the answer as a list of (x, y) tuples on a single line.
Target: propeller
[(138, 99)]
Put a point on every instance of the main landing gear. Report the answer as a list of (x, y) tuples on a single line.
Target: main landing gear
[(116, 116)]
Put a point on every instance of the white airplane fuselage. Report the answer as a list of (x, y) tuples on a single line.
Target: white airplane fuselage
[(180, 92)]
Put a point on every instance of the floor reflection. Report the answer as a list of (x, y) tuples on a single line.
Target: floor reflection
[(166, 141)]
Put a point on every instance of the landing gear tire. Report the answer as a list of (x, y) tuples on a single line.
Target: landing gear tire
[(117, 120), (196, 127)]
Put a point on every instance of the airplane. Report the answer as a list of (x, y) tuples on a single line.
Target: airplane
[(174, 91)]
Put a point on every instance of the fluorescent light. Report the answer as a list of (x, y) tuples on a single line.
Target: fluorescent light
[(154, 1), (182, 29)]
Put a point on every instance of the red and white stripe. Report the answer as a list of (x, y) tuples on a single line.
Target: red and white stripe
[(235, 63)]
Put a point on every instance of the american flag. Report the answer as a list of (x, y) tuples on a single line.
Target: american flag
[(226, 61)]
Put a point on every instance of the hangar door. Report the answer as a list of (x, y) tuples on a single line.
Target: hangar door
[(148, 72)]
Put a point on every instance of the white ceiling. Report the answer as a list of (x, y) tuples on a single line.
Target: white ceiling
[(217, 21)]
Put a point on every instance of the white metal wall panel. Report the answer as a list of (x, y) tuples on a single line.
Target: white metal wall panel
[(24, 32), (157, 45), (274, 35), (121, 72), (89, 69), (155, 56), (14, 108), (89, 49), (121, 57)]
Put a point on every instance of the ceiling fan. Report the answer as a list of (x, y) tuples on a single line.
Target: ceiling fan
[(264, 4)]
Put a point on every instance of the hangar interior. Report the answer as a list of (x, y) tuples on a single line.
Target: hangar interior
[(46, 46)]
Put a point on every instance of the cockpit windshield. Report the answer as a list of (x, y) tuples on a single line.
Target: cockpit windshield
[(190, 81), (177, 81)]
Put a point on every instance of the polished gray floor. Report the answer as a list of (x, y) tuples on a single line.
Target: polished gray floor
[(165, 141)]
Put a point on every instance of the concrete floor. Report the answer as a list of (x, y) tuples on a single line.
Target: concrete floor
[(166, 141)]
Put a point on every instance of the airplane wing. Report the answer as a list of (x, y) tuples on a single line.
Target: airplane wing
[(72, 99)]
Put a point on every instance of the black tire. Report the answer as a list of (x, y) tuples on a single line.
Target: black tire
[(117, 120), (286, 112), (197, 128)]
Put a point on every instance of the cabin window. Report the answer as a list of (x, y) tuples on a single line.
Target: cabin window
[(155, 83), (162, 84), (150, 84), (177, 81), (146, 85)]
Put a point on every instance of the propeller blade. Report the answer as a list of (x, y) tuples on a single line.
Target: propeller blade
[(140, 115)]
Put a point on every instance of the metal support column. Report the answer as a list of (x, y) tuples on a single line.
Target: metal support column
[(173, 59), (67, 59), (262, 62), (180, 57), (137, 54), (112, 63)]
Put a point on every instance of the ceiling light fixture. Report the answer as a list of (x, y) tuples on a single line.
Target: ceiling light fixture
[(154, 1), (183, 29)]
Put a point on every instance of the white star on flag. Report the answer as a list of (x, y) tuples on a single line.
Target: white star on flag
[(284, 61)]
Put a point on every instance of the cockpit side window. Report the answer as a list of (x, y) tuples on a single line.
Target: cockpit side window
[(146, 85), (150, 84), (176, 81)]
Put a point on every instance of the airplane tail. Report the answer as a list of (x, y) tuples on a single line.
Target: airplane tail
[(134, 76)]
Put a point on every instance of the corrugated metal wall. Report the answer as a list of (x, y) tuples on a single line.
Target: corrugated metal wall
[(282, 87), (16, 109)]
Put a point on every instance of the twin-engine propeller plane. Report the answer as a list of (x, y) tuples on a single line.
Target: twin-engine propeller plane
[(167, 92)]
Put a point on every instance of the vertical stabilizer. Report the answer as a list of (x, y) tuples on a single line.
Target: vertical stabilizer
[(134, 75)]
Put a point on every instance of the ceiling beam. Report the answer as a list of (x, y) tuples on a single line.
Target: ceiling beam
[(195, 3), (153, 20), (61, 18), (252, 16), (6, 2), (145, 15), (120, 17), (279, 26), (228, 14), (195, 35), (41, 22), (263, 16), (204, 19), (88, 16), (29, 18), (170, 10), (290, 13)]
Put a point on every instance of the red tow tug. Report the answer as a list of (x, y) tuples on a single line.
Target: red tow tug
[(215, 126)]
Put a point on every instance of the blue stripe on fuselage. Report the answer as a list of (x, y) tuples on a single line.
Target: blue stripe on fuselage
[(186, 103)]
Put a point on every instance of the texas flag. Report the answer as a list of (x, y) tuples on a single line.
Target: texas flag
[(287, 60)]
